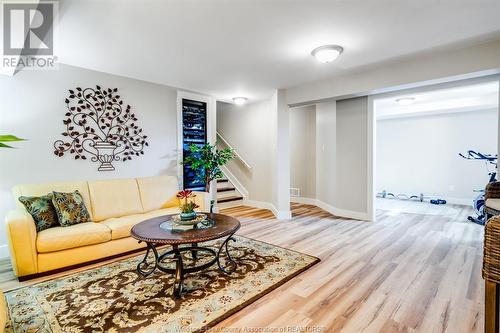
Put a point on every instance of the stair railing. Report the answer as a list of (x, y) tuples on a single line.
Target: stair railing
[(238, 156)]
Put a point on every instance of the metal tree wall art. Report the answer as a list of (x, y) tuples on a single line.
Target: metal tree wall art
[(100, 127)]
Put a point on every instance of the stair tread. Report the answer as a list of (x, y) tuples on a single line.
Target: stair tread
[(225, 189), (228, 199), (222, 180)]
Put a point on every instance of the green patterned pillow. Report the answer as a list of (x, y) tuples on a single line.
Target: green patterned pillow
[(42, 210), (70, 208)]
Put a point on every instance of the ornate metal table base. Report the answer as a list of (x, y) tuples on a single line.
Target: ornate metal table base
[(144, 268)]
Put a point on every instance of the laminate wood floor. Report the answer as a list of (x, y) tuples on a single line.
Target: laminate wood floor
[(403, 273)]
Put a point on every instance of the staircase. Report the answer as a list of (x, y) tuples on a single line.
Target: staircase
[(227, 194)]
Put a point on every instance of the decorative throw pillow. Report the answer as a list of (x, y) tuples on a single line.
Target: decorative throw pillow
[(70, 208), (42, 210)]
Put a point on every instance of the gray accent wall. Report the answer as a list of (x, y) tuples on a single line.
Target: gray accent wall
[(32, 107), (303, 150)]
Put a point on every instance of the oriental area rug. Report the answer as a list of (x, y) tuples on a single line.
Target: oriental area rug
[(114, 298)]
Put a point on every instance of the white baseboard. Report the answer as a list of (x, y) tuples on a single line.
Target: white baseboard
[(286, 215), (4, 251), (304, 200), (343, 212), (459, 201), (281, 215)]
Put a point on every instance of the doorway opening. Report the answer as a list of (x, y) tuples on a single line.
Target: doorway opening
[(435, 149)]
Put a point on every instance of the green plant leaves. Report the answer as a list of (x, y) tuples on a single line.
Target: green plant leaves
[(8, 138), (207, 160)]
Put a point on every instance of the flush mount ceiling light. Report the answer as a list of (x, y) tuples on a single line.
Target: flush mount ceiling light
[(405, 101), (327, 53), (240, 100)]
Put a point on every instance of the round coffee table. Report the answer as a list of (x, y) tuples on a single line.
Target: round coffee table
[(161, 231)]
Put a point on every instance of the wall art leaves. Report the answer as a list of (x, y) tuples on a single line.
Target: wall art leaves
[(100, 127)]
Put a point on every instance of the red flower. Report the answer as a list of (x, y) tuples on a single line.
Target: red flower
[(185, 194)]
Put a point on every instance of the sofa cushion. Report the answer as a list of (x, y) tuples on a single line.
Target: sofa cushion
[(62, 238), (70, 208), (493, 203), (160, 212), (43, 189), (158, 192), (114, 198), (42, 210), (120, 226)]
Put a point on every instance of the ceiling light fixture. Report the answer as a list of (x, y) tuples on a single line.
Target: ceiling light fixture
[(240, 100), (405, 101), (327, 53)]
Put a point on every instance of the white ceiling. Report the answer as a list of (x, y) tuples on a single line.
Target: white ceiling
[(248, 48), (482, 96)]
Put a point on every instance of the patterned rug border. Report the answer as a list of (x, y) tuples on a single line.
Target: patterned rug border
[(217, 320), (263, 293)]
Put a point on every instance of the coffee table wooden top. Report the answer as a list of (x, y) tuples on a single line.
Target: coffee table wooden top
[(150, 231)]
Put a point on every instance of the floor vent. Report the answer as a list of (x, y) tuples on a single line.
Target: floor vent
[(294, 192)]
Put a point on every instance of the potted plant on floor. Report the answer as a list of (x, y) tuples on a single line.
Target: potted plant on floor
[(206, 160)]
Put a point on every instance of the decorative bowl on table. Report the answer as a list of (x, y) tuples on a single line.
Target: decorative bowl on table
[(197, 218)]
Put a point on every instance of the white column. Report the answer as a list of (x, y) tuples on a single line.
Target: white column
[(281, 158)]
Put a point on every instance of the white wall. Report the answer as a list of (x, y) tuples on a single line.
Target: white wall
[(303, 150), (32, 107), (249, 129), (420, 154)]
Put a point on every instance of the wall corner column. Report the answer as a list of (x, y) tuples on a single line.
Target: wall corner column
[(281, 156)]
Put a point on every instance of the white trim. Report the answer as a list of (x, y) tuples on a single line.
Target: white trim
[(4, 251), (458, 201), (238, 156), (281, 215), (498, 115), (286, 215), (371, 154), (239, 187), (304, 200), (343, 212), (211, 124), (259, 204)]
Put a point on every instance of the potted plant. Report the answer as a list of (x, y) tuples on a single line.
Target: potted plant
[(187, 207), (206, 160), (8, 138)]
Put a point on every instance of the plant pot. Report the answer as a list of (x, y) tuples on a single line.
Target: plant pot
[(188, 216)]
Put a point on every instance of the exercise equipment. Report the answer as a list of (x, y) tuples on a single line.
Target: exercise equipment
[(401, 196), (479, 200)]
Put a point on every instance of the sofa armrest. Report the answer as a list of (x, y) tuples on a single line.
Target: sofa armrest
[(492, 191), (202, 200), (21, 234)]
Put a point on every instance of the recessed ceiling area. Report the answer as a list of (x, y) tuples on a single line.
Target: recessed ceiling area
[(474, 97), (249, 48)]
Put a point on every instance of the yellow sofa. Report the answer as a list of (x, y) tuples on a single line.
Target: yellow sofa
[(114, 207)]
